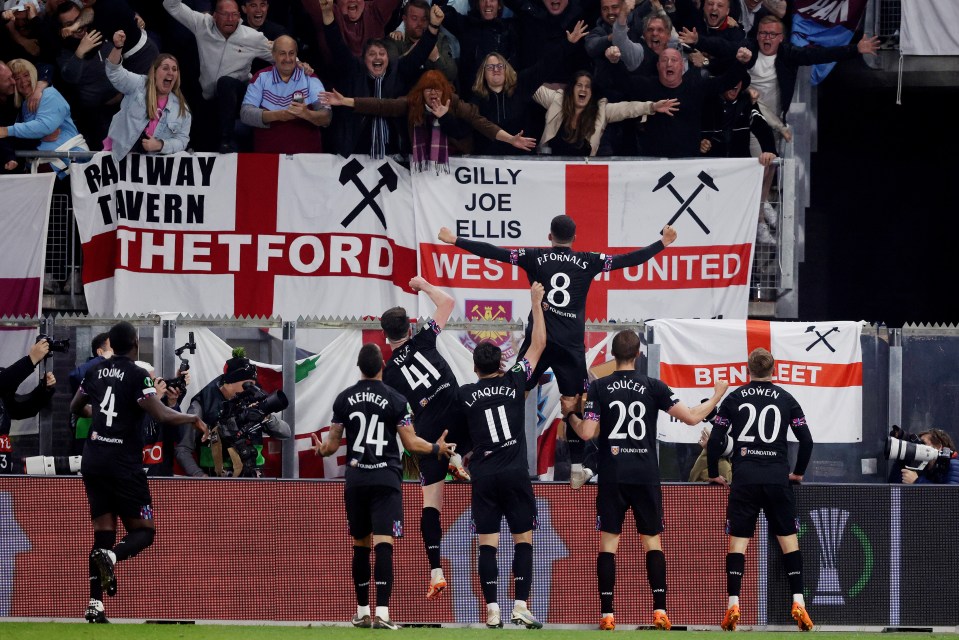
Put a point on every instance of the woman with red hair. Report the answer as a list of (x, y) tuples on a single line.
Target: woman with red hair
[(436, 118)]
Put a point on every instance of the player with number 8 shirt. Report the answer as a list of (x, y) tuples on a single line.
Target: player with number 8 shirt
[(566, 276), (621, 411)]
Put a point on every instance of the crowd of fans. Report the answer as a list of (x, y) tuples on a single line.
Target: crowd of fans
[(673, 79)]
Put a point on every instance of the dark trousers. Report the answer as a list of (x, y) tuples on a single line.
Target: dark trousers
[(229, 97)]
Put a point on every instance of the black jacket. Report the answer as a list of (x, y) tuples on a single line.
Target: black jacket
[(350, 130)]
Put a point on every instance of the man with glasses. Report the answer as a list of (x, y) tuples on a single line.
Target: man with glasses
[(227, 49), (772, 72)]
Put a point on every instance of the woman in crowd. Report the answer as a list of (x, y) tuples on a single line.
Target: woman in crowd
[(51, 123), (576, 119), (504, 96), (153, 117), (436, 119)]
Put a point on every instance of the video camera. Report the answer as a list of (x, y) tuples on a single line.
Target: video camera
[(179, 382), (914, 454), (51, 465), (56, 346), (241, 418)]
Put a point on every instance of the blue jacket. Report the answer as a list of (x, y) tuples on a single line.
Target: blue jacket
[(951, 478), (131, 120)]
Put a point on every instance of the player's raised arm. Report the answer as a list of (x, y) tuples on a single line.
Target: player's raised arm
[(694, 415), (634, 258), (481, 249), (444, 302), (538, 337), (586, 427)]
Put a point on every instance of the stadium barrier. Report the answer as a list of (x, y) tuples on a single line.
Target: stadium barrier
[(279, 551)]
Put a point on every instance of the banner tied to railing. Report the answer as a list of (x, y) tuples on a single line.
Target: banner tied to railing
[(819, 363), (255, 234)]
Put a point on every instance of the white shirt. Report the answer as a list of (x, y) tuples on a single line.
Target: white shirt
[(762, 77)]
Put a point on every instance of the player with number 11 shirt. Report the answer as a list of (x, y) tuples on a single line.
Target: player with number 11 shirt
[(495, 409)]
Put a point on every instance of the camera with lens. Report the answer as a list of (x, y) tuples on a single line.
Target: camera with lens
[(51, 465), (56, 346), (914, 454), (241, 419)]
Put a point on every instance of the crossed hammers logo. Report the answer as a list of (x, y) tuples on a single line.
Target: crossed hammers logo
[(705, 180), (821, 338), (351, 173)]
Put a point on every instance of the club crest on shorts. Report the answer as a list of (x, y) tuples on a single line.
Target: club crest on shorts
[(742, 452), (614, 451)]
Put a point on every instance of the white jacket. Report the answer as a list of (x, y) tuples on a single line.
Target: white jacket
[(220, 56), (552, 101)]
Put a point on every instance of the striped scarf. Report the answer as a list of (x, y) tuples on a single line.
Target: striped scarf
[(380, 135), (430, 151)]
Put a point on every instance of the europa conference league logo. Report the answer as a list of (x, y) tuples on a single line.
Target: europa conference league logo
[(831, 525)]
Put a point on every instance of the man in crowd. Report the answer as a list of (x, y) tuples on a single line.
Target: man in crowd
[(495, 408), (373, 414), (227, 49), (755, 420), (116, 394), (416, 20), (679, 136), (93, 98), (421, 374), (107, 17), (373, 74), (621, 410), (567, 276), (282, 105), (256, 16)]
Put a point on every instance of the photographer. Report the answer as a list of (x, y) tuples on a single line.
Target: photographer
[(159, 443), (239, 436), (99, 351), (19, 407), (934, 472)]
